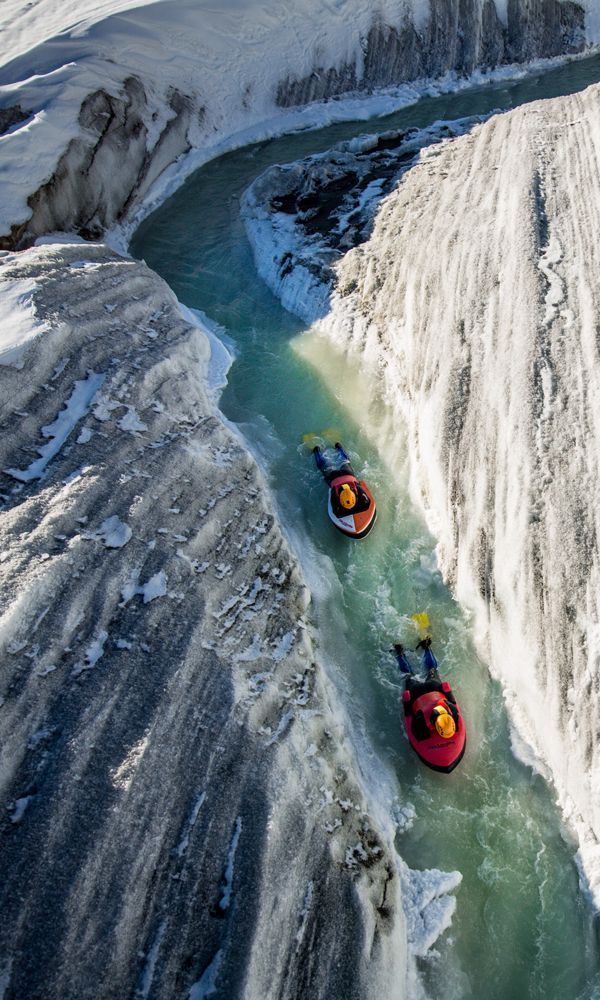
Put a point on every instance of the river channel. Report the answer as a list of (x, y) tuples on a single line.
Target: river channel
[(522, 926)]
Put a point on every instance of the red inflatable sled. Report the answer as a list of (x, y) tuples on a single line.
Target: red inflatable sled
[(432, 718)]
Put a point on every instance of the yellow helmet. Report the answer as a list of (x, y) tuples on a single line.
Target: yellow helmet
[(347, 497), (444, 723)]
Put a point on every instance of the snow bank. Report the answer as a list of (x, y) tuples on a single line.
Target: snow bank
[(20, 326)]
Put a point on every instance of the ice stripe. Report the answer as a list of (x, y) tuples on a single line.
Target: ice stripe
[(207, 985), (184, 842), (228, 874), (76, 407), (151, 960)]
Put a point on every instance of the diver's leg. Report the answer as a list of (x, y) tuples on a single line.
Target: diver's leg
[(322, 461), (345, 466), (325, 465), (431, 666), (429, 662), (319, 457), (403, 663)]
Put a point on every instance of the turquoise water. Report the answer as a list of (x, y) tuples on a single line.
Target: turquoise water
[(522, 928)]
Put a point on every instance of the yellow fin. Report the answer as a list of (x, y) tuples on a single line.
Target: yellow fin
[(421, 620), (310, 440), (330, 435)]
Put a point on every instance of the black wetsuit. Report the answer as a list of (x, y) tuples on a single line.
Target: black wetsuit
[(329, 469), (417, 687), (432, 683)]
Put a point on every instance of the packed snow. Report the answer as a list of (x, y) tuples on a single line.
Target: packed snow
[(113, 531), (76, 407), (20, 326)]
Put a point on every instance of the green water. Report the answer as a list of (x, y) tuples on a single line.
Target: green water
[(522, 928)]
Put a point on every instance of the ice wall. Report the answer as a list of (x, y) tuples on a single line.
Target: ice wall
[(180, 806), (453, 37), (97, 108), (477, 301)]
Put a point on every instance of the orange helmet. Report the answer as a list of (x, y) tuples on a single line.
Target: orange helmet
[(347, 497), (444, 723)]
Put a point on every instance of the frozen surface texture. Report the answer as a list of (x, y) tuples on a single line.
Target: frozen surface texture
[(159, 689), (302, 217)]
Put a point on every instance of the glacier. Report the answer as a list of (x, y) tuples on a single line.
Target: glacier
[(474, 303), (144, 670), (160, 683)]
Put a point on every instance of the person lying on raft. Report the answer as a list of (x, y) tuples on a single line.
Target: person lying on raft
[(444, 714), (346, 498)]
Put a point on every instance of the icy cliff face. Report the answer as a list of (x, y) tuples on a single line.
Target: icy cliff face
[(456, 37), (103, 103), (475, 301), (111, 164), (180, 807)]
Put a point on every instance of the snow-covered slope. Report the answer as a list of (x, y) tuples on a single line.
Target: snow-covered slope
[(97, 103), (476, 301), (180, 803)]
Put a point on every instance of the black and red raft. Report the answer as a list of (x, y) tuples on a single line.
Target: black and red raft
[(350, 503), (432, 718)]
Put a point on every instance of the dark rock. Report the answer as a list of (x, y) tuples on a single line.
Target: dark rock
[(461, 36), (9, 117)]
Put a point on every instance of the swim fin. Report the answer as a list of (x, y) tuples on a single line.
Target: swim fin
[(421, 620)]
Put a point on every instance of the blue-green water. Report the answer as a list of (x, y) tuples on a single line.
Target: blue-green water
[(522, 928)]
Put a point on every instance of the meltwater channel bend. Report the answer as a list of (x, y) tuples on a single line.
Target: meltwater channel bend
[(522, 928)]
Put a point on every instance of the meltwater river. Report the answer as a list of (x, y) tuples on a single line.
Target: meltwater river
[(522, 927)]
